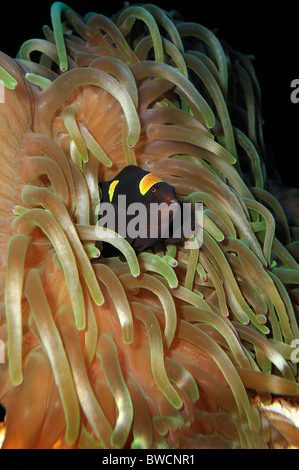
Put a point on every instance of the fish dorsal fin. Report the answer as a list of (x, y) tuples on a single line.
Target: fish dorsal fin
[(129, 170)]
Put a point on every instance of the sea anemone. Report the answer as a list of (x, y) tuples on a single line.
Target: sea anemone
[(176, 347)]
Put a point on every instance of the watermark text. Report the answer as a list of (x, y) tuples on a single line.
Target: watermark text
[(2, 352), (154, 221), (2, 92)]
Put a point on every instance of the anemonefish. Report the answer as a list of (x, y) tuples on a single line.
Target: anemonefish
[(132, 191)]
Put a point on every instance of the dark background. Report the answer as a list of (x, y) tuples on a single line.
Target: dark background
[(270, 34)]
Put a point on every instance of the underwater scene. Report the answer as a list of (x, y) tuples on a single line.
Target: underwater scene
[(149, 234)]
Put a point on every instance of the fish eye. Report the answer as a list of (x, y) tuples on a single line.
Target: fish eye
[(153, 190)]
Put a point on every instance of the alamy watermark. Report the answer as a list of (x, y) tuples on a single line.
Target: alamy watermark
[(295, 354), (295, 93), (2, 92), (153, 221), (2, 352)]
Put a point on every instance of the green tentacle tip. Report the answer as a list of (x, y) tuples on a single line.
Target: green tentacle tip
[(92, 251), (56, 10), (7, 80), (42, 82)]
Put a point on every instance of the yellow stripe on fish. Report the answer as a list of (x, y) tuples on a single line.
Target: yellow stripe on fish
[(147, 182), (112, 189)]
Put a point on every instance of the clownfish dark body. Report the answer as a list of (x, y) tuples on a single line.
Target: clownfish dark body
[(132, 191)]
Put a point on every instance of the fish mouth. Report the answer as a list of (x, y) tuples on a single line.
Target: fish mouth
[(170, 200), (170, 206)]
